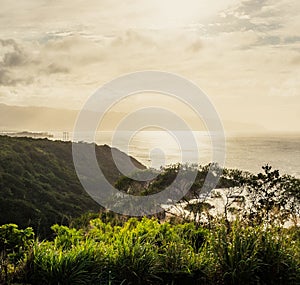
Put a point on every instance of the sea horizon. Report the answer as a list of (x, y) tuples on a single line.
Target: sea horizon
[(244, 151)]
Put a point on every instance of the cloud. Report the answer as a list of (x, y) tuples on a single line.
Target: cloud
[(268, 40), (195, 46), (15, 56), (61, 52), (9, 42), (13, 59), (7, 78), (288, 88), (291, 40), (23, 63), (56, 68), (295, 60)]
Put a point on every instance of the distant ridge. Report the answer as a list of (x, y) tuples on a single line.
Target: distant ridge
[(19, 118), (22, 118)]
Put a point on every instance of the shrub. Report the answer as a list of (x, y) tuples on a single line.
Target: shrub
[(152, 252), (253, 255)]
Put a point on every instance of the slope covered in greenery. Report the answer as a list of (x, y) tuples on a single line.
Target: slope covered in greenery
[(39, 187), (38, 183)]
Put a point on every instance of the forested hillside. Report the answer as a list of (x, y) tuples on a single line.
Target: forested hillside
[(38, 183)]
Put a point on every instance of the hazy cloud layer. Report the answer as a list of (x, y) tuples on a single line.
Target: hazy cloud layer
[(241, 53)]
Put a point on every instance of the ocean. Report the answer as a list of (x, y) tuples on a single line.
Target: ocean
[(245, 152)]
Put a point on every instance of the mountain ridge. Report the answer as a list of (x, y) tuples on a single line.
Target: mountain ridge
[(33, 118)]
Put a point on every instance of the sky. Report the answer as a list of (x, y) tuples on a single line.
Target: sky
[(244, 54)]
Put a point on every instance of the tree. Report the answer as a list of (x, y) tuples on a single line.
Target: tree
[(266, 197)]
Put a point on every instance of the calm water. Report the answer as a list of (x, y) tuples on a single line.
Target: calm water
[(156, 148), (250, 153)]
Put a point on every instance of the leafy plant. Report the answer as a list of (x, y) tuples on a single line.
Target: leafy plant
[(14, 243)]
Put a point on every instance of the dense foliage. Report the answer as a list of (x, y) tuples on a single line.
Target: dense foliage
[(39, 188), (154, 252), (266, 197), (38, 183)]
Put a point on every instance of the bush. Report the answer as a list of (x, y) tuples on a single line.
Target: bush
[(14, 245), (253, 255), (54, 266), (152, 252)]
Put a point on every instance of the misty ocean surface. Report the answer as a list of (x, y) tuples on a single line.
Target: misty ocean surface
[(156, 148)]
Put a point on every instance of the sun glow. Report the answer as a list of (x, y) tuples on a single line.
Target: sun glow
[(178, 13)]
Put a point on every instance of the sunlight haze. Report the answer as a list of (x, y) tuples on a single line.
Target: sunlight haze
[(243, 54)]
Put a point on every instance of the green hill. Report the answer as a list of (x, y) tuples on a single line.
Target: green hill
[(38, 183)]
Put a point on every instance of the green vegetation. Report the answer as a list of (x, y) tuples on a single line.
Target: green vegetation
[(154, 252), (266, 197), (72, 242), (39, 186)]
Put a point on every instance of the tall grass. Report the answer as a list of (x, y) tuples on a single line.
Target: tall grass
[(151, 252), (254, 255), (54, 266), (235, 255)]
